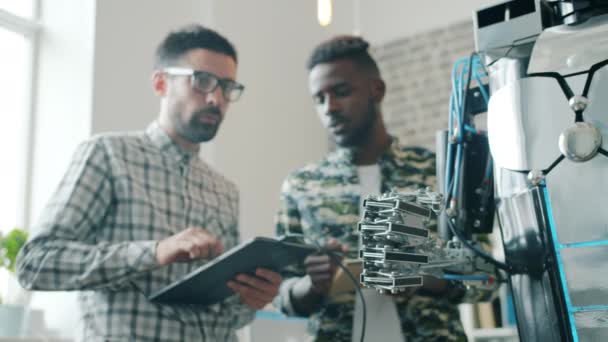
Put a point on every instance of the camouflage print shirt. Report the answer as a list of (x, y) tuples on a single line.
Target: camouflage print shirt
[(322, 201)]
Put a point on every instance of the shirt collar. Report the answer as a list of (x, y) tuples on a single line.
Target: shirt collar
[(166, 144), (347, 155)]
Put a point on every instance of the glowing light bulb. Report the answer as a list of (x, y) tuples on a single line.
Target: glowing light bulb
[(324, 12)]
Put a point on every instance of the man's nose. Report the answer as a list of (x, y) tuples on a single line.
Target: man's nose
[(215, 97), (332, 106)]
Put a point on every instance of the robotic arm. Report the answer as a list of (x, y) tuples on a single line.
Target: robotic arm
[(398, 248), (540, 71)]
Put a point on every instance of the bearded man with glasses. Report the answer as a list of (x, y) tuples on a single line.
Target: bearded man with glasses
[(138, 211)]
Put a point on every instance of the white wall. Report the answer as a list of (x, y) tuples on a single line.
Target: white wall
[(383, 21), (127, 34), (274, 128)]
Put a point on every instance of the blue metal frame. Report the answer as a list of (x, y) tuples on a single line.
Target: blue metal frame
[(558, 247)]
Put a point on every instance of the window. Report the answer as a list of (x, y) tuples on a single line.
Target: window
[(18, 40), (22, 8), (13, 67)]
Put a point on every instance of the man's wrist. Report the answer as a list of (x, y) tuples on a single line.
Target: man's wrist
[(304, 300), (455, 290)]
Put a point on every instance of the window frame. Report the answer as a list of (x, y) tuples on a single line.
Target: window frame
[(30, 29)]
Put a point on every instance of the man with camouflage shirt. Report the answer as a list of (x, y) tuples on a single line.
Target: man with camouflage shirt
[(322, 201)]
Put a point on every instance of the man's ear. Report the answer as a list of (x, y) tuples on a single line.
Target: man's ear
[(159, 83), (378, 90)]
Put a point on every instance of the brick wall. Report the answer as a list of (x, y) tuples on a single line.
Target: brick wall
[(417, 71)]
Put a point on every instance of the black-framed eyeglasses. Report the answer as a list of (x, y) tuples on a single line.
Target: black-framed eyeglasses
[(206, 82)]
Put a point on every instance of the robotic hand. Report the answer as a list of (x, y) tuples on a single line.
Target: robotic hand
[(398, 248)]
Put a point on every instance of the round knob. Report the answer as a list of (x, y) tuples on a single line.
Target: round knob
[(580, 142), (536, 176), (578, 102)]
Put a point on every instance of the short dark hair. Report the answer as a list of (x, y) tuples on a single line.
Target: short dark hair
[(195, 36), (344, 47)]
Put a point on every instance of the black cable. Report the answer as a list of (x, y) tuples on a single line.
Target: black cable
[(485, 256), (578, 116), (545, 171), (561, 80), (591, 72), (553, 165), (448, 195), (516, 43), (336, 258), (502, 237), (569, 14), (501, 57)]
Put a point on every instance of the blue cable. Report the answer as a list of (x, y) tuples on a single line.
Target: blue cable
[(448, 169), (457, 169), (453, 105), (457, 113), (465, 277), (478, 76), (460, 115), (482, 89), (462, 94), (470, 128)]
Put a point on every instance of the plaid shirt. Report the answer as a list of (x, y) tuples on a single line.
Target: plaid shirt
[(121, 194)]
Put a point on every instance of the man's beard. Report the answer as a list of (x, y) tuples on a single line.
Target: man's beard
[(196, 131), (360, 134)]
